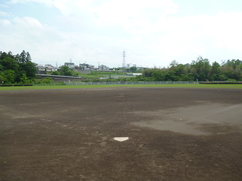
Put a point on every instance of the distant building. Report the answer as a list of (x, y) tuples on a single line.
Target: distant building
[(103, 67), (48, 65), (85, 66), (41, 69), (131, 65), (70, 65), (133, 74), (140, 68), (48, 68)]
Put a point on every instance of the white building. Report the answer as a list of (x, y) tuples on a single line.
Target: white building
[(50, 68), (133, 74), (85, 66), (70, 65), (103, 67)]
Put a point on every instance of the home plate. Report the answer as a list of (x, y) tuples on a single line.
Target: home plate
[(121, 139)]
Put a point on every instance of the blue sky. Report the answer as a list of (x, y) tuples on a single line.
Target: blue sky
[(153, 33)]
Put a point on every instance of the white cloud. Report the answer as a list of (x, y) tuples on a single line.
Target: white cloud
[(197, 35), (72, 7), (2, 13), (29, 34), (4, 23), (28, 22), (98, 31), (227, 30), (134, 16), (130, 15), (48, 3)]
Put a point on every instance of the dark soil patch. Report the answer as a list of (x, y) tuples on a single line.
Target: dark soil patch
[(68, 135)]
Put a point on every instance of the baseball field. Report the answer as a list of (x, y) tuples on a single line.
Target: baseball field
[(172, 133)]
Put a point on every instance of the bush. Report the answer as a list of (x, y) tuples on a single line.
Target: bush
[(46, 80), (231, 80), (60, 83), (55, 73)]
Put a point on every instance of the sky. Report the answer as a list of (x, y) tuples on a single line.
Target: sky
[(152, 33)]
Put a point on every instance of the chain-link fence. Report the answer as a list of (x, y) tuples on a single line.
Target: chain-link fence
[(130, 83)]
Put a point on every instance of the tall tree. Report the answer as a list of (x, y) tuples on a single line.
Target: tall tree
[(174, 63), (28, 68), (22, 57), (3, 55), (8, 76), (9, 63), (28, 57), (16, 67), (201, 68)]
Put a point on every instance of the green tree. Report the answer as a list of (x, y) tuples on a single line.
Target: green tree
[(200, 69), (158, 75), (187, 77), (65, 70), (170, 76), (233, 63), (133, 69), (22, 57), (179, 69), (1, 78), (3, 55), (28, 57), (215, 72), (8, 76), (29, 68), (24, 79), (10, 55), (55, 73), (173, 64), (232, 69), (20, 64), (148, 72), (46, 80), (8, 63)]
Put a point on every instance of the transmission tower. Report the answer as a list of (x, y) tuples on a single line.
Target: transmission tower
[(124, 60)]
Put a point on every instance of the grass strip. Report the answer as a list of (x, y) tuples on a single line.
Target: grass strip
[(224, 86)]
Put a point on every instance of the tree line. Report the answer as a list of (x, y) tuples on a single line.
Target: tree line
[(198, 70), (16, 68), (19, 69)]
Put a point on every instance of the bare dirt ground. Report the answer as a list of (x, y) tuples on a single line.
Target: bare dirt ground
[(174, 134)]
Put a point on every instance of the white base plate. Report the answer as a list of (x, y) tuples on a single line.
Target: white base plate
[(121, 139)]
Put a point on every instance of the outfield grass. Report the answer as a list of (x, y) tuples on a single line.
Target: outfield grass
[(228, 86)]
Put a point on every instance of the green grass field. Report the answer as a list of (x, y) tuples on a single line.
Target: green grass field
[(227, 86)]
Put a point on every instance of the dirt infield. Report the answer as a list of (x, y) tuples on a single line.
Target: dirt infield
[(174, 134)]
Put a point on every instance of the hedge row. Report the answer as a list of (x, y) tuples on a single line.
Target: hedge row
[(220, 82), (11, 85)]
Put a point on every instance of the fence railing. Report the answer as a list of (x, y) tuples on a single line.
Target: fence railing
[(140, 83), (58, 76), (126, 83)]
